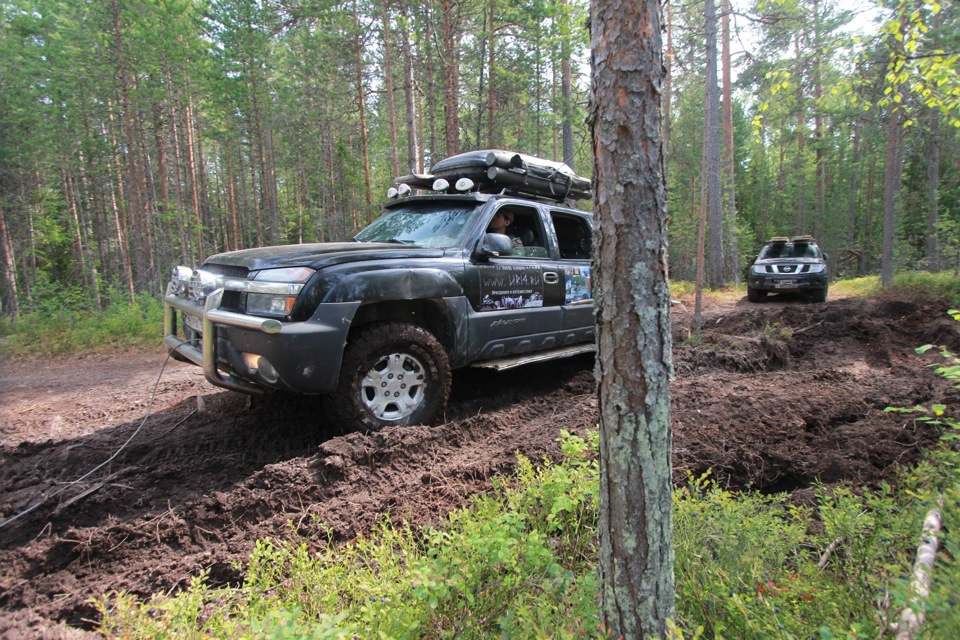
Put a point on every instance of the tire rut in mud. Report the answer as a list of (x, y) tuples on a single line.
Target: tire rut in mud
[(773, 397)]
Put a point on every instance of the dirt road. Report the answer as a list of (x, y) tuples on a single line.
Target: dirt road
[(779, 395)]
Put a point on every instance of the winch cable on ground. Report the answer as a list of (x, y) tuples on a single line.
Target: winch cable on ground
[(113, 457)]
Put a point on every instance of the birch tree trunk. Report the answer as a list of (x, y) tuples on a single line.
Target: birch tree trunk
[(633, 319)]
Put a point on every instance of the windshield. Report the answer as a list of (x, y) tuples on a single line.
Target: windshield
[(425, 224), (789, 250)]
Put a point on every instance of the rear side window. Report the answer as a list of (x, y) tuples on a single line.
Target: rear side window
[(574, 235)]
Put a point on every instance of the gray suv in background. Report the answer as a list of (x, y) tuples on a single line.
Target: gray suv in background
[(789, 265)]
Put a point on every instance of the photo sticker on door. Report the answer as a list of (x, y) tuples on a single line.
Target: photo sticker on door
[(510, 287), (578, 284)]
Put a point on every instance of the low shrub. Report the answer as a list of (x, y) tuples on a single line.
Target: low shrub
[(521, 563)]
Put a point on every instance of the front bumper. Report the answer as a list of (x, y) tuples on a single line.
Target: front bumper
[(303, 357), (787, 282)]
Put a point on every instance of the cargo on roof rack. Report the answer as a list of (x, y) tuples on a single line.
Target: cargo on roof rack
[(495, 171), (804, 238), (779, 239)]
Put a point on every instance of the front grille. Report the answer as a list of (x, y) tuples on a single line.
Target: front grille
[(229, 270), (788, 268)]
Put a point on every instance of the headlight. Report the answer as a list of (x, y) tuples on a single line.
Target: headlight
[(817, 268), (202, 284), (180, 280), (266, 304), (758, 269), (274, 291)]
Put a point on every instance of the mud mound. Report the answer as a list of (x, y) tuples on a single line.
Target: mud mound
[(773, 396)]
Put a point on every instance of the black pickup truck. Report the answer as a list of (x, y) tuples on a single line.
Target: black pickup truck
[(377, 324)]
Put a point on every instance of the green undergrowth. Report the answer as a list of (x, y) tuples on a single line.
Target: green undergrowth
[(63, 325), (520, 562), (922, 285)]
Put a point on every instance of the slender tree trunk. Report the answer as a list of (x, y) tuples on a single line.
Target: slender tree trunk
[(711, 141), (491, 85), (893, 176), (192, 182), (116, 179), (362, 109), (800, 168), (234, 236), (414, 164), (186, 247), (732, 254), (451, 75), (566, 86), (667, 90), (10, 298), (388, 87), (135, 198), (633, 320), (933, 184)]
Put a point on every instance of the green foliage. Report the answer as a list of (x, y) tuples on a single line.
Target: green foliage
[(922, 285), (520, 563), (517, 564), (855, 287), (62, 322)]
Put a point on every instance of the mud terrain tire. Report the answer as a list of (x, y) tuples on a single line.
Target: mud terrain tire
[(393, 373), (756, 295), (819, 295)]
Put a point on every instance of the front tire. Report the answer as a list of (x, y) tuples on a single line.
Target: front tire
[(755, 295), (819, 295), (393, 373)]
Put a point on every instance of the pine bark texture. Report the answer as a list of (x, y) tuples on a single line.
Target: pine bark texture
[(633, 321)]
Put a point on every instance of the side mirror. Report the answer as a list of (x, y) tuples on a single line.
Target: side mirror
[(826, 256), (495, 244)]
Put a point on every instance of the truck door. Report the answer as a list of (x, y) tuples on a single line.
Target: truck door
[(516, 298), (574, 237)]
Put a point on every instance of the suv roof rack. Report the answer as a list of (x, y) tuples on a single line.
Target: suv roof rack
[(804, 238), (779, 239), (499, 172)]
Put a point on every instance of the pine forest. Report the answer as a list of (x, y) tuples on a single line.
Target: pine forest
[(136, 135)]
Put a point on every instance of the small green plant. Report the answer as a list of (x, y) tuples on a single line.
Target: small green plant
[(936, 414), (777, 331)]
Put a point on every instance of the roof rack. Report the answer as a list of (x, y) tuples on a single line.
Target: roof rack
[(804, 238), (779, 239), (496, 171)]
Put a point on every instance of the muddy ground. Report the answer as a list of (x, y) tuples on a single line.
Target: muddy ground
[(779, 395)]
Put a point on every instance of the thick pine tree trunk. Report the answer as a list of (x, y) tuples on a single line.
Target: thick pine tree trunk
[(633, 320)]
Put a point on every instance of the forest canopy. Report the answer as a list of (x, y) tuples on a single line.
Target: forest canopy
[(136, 135)]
